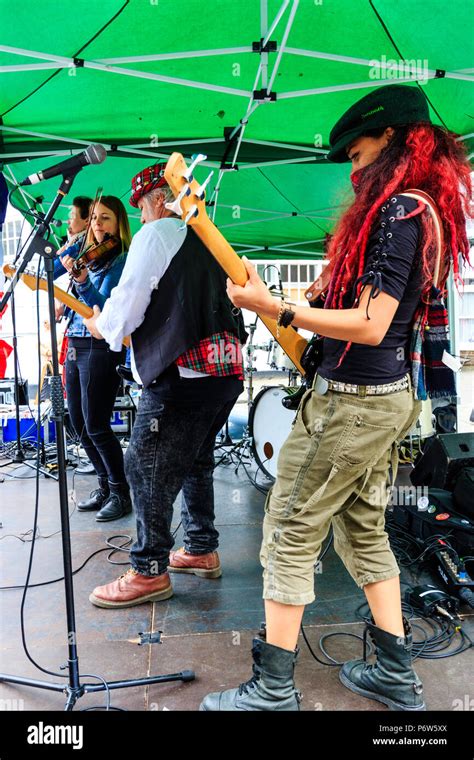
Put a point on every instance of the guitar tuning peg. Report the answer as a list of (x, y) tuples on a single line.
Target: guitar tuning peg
[(196, 159), (175, 206), (201, 191), (193, 211)]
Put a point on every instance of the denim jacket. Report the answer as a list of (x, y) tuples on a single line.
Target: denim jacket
[(95, 290)]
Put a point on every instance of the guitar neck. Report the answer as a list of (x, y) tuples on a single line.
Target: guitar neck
[(292, 343), (80, 308), (68, 300), (31, 280)]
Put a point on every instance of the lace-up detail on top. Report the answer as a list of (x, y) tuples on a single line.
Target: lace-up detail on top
[(393, 210)]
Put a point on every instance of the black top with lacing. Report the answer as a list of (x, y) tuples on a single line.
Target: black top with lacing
[(393, 266)]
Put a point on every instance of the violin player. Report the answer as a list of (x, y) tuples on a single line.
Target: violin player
[(95, 266)]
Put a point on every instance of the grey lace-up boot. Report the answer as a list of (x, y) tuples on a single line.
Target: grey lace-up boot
[(270, 688), (391, 679)]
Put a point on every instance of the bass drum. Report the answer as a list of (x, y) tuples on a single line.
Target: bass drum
[(270, 426)]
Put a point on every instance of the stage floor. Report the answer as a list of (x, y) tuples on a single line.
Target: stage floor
[(207, 625)]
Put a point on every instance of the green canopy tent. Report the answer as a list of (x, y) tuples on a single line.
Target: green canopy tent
[(255, 84)]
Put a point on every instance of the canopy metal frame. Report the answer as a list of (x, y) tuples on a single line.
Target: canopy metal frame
[(114, 65), (265, 78)]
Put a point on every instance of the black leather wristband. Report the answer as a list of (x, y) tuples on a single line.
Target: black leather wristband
[(287, 317)]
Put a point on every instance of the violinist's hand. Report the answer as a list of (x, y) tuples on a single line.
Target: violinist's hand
[(91, 326), (68, 263), (254, 295)]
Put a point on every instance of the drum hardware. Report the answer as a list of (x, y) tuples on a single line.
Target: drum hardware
[(249, 368), (233, 452), (278, 360), (249, 352), (270, 414)]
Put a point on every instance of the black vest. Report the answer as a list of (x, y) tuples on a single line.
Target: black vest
[(189, 304)]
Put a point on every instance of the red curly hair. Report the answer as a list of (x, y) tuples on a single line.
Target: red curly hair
[(422, 156)]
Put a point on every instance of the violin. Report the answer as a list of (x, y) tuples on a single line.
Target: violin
[(96, 255)]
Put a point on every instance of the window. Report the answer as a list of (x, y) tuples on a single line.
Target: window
[(296, 276), (10, 237)]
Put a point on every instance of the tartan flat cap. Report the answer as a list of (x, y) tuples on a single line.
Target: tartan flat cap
[(146, 180)]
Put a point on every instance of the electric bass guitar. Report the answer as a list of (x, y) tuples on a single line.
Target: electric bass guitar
[(190, 205)]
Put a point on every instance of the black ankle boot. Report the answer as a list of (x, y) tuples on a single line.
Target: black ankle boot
[(391, 679), (97, 498), (270, 688), (117, 505)]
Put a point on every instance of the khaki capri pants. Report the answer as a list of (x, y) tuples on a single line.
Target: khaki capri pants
[(333, 469)]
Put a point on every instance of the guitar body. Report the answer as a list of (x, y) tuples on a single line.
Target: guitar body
[(292, 343), (39, 283)]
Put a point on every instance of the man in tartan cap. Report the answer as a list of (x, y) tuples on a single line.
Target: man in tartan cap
[(186, 353)]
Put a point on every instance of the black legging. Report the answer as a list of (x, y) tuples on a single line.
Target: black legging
[(91, 387)]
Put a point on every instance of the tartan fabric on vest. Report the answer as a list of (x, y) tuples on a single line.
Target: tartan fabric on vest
[(219, 355)]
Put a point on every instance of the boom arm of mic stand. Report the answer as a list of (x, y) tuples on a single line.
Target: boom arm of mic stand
[(38, 244)]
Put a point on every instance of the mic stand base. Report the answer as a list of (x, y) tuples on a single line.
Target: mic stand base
[(18, 457), (74, 693)]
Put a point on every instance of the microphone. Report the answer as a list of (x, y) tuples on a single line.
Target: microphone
[(94, 154)]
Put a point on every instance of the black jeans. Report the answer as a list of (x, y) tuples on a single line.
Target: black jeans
[(172, 448), (91, 386)]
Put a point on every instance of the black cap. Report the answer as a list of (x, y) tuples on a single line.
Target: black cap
[(388, 106)]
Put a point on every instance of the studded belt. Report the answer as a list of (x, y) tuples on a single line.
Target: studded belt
[(364, 390)]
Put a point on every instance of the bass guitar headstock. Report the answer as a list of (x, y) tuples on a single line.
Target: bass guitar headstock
[(190, 196), (29, 277)]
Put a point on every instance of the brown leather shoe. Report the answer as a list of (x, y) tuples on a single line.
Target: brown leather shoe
[(132, 588), (204, 565)]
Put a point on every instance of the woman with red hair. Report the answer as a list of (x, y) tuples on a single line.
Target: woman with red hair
[(385, 259)]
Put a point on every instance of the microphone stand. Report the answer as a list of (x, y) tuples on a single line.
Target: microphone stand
[(74, 688)]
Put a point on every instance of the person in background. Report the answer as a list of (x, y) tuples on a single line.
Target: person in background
[(78, 220), (91, 378)]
